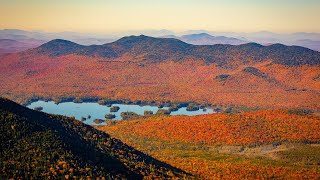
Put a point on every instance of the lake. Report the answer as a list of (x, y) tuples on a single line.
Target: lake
[(97, 111)]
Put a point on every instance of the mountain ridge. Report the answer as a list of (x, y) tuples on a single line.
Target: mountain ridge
[(262, 37), (207, 39), (161, 49)]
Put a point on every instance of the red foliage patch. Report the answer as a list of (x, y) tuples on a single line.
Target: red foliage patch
[(215, 129)]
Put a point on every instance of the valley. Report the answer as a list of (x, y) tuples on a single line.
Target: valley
[(267, 99), (157, 90), (139, 68)]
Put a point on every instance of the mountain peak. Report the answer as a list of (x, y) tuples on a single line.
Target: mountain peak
[(200, 34), (207, 39), (58, 47), (252, 45), (135, 38), (195, 36), (277, 45), (130, 41), (59, 42)]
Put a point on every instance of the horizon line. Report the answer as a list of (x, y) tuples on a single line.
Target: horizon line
[(158, 30)]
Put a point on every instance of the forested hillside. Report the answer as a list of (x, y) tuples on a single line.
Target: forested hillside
[(38, 145)]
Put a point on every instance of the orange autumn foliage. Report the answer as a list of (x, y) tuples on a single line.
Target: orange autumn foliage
[(236, 129), (206, 169), (155, 135), (26, 76)]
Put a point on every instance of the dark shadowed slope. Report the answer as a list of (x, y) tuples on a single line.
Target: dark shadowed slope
[(38, 145), (149, 49)]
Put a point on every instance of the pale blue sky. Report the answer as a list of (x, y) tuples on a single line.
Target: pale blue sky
[(177, 15)]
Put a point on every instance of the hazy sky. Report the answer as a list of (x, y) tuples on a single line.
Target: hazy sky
[(177, 15)]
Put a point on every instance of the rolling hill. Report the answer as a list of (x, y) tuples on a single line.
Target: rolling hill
[(39, 145), (162, 69)]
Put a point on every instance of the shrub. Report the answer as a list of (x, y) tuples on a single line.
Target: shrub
[(130, 115), (171, 109), (114, 109), (110, 116), (98, 121), (148, 113), (301, 112), (163, 112), (38, 108), (223, 77), (192, 107), (77, 100)]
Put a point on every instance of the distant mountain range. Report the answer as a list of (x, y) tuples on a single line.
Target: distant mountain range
[(14, 40), (196, 37), (81, 38), (207, 39), (148, 49), (308, 40)]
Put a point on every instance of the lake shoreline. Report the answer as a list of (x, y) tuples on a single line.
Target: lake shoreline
[(110, 101), (220, 108), (103, 110)]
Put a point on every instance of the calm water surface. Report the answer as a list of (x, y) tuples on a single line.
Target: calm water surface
[(97, 111)]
